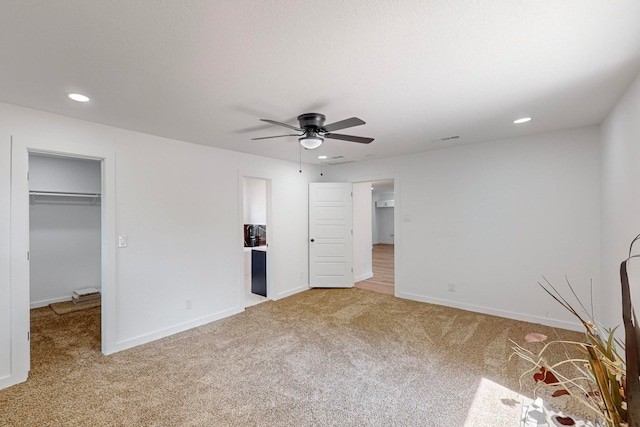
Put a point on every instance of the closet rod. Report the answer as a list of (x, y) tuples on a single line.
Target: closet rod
[(51, 193)]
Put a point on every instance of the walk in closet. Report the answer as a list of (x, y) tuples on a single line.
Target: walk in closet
[(64, 227)]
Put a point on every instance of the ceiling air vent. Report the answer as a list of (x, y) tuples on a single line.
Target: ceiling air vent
[(448, 138), (338, 162)]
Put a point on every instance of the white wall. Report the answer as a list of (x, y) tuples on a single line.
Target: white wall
[(255, 201), (492, 218), (620, 201), (5, 238), (362, 239), (384, 219), (64, 231), (64, 248), (63, 174), (180, 206), (374, 222)]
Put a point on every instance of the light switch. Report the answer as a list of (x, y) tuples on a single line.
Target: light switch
[(122, 241)]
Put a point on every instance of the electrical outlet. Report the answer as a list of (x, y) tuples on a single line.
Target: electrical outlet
[(188, 304), (451, 287)]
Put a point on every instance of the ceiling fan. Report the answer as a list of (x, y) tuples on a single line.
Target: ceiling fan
[(313, 130)]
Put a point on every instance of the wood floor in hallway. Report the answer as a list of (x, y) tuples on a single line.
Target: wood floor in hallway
[(383, 271)]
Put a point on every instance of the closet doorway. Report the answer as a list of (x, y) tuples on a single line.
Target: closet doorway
[(65, 255), (21, 331), (256, 207)]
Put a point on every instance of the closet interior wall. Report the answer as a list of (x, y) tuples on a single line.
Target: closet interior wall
[(64, 227), (382, 221)]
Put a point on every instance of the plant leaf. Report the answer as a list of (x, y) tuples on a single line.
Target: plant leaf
[(545, 376), (559, 393), (535, 337), (565, 421)]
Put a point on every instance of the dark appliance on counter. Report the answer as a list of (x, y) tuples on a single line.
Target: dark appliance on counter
[(255, 235)]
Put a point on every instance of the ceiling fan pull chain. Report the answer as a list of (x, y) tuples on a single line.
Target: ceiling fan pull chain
[(300, 159)]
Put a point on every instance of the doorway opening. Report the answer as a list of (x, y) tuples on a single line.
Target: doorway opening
[(256, 196), (65, 255), (376, 235)]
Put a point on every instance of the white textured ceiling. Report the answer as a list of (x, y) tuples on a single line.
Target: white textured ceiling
[(414, 70)]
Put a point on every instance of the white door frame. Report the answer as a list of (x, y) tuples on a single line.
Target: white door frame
[(19, 245), (270, 235), (397, 262)]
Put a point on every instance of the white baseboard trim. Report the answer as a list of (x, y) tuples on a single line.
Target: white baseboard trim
[(494, 312), (46, 302), (362, 277), (291, 292), (162, 333)]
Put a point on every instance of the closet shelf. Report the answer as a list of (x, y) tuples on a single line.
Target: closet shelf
[(51, 193)]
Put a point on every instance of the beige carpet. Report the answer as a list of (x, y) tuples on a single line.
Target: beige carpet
[(320, 358), (69, 307)]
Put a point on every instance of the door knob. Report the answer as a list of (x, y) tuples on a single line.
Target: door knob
[(312, 240)]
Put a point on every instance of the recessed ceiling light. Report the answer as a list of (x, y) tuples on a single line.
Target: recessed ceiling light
[(522, 120), (322, 157), (79, 97)]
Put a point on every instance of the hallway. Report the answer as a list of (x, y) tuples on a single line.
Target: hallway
[(383, 271)]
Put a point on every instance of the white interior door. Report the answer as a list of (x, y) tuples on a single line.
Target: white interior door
[(330, 235)]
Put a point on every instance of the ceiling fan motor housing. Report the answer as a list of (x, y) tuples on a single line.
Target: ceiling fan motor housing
[(313, 128), (311, 122)]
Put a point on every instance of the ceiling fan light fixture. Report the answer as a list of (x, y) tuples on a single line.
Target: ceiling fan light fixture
[(311, 142)]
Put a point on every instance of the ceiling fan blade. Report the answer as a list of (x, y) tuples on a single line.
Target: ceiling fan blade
[(343, 124), (273, 122), (277, 136), (351, 138)]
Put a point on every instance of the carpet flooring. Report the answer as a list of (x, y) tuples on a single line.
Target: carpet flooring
[(324, 357)]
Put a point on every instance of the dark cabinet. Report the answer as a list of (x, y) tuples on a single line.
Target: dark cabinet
[(259, 273)]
